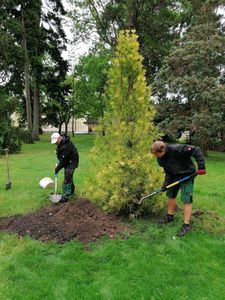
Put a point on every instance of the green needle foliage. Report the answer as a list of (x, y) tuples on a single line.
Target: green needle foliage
[(128, 172), (8, 134)]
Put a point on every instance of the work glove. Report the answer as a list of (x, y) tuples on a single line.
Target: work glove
[(201, 172)]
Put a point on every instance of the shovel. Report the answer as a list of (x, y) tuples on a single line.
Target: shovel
[(167, 187), (55, 198), (8, 183)]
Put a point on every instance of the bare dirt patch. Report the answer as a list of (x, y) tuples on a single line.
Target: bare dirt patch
[(80, 220)]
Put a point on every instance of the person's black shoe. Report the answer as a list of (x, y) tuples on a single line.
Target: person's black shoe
[(184, 230), (64, 200), (169, 218)]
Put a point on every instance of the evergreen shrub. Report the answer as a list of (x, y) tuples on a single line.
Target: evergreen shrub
[(128, 170)]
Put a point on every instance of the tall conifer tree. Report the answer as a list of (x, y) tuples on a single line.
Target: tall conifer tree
[(128, 172)]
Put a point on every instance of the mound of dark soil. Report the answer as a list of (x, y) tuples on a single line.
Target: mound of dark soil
[(80, 220)]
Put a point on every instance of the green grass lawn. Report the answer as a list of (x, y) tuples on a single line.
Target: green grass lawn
[(149, 265)]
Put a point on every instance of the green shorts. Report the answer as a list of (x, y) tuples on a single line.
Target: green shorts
[(186, 187)]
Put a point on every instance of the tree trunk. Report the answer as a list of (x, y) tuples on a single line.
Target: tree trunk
[(36, 110), (132, 14), (27, 96), (73, 126), (26, 76), (36, 73), (60, 127)]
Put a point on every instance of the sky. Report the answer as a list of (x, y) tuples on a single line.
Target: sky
[(74, 51)]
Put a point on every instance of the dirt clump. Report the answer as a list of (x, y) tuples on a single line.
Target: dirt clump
[(79, 220)]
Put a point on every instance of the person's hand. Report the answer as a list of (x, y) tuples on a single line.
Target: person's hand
[(163, 188), (56, 171), (201, 172)]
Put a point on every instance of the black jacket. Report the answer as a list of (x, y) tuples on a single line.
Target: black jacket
[(177, 162), (67, 154)]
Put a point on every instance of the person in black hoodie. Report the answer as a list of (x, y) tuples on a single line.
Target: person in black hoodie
[(68, 158), (177, 164)]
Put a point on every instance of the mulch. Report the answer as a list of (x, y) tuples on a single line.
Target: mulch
[(80, 220)]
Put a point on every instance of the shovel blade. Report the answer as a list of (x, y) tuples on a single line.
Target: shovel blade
[(55, 198)]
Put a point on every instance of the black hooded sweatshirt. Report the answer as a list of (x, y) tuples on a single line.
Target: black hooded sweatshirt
[(67, 154), (177, 162)]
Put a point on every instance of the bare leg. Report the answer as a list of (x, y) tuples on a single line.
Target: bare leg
[(171, 205), (187, 212), (187, 216)]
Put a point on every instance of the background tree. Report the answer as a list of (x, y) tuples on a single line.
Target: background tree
[(30, 31), (42, 40), (157, 23), (57, 106), (9, 137), (190, 85), (89, 82), (127, 172)]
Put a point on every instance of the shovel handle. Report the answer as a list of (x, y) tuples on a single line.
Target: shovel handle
[(181, 180), (7, 160), (56, 176), (150, 195), (56, 183), (168, 186)]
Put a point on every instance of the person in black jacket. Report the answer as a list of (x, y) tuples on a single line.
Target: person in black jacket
[(68, 158), (177, 164)]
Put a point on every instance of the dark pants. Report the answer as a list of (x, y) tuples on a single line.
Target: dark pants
[(68, 186)]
